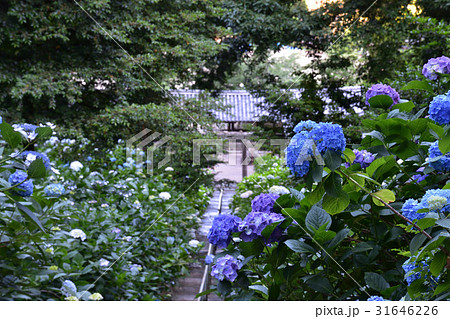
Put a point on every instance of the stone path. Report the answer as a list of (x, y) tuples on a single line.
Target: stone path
[(188, 287)]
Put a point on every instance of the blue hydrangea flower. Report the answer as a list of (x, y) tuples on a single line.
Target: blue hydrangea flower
[(305, 126), (221, 229), (113, 159), (264, 203), (209, 259), (54, 190), (29, 128), (410, 208), (30, 156), (226, 268), (68, 288), (413, 270), (328, 136), (255, 222), (436, 193), (376, 298), (298, 154), (439, 109), (439, 65), (1, 120), (442, 164), (364, 158), (25, 189), (382, 89)]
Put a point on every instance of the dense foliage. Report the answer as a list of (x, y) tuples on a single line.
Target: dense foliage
[(101, 225), (364, 224)]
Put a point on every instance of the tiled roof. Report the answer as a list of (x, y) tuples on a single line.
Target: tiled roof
[(244, 106)]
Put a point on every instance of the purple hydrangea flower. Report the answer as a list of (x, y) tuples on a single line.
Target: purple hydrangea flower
[(442, 164), (226, 268), (30, 156), (439, 65), (221, 229), (364, 158), (255, 222), (439, 109), (25, 189), (264, 203), (382, 89), (419, 177)]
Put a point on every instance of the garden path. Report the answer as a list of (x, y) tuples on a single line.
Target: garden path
[(187, 288)]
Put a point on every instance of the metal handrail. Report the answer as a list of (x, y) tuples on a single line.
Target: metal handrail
[(211, 250)]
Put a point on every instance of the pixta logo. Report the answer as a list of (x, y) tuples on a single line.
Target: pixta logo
[(143, 146)]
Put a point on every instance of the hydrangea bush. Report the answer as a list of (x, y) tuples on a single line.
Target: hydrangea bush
[(68, 216), (358, 222)]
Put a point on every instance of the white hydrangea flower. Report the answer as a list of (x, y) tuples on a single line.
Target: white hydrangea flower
[(164, 195), (193, 243), (169, 169), (71, 298), (247, 194), (76, 166), (436, 202), (96, 297), (280, 190), (78, 233)]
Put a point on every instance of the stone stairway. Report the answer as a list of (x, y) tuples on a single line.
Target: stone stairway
[(187, 288)]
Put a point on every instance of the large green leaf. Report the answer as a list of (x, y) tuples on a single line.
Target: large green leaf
[(316, 218), (340, 236), (333, 184), (43, 132), (376, 281), (37, 169), (405, 106), (320, 284), (10, 136), (438, 262), (386, 195), (332, 160), (335, 205), (416, 243), (418, 85), (299, 246), (444, 223), (444, 143), (383, 101), (30, 215)]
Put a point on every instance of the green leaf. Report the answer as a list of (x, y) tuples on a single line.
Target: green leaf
[(438, 263), (444, 223), (206, 292), (28, 213), (444, 287), (383, 101), (316, 195), (323, 236), (224, 287), (333, 184), (332, 160), (316, 172), (349, 155), (297, 194), (444, 143), (416, 243), (299, 246), (340, 236), (405, 106), (426, 222), (10, 136), (418, 85), (37, 169), (43, 132), (296, 214), (320, 284), (335, 205), (386, 195), (376, 281), (316, 218)]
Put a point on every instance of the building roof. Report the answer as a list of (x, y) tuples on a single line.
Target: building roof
[(243, 106)]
